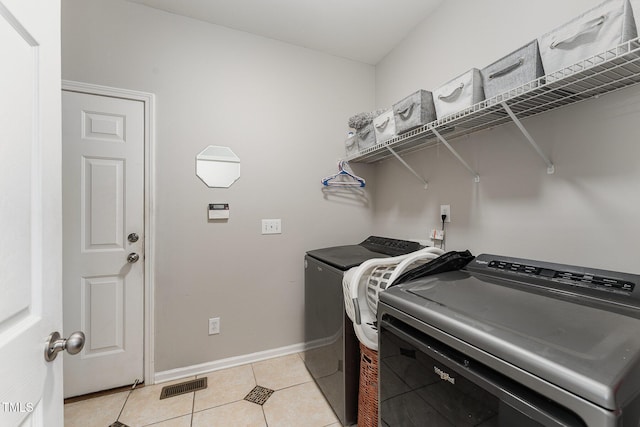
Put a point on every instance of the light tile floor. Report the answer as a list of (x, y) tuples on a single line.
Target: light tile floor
[(297, 401)]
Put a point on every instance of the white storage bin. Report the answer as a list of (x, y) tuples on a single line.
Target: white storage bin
[(459, 93), (597, 30), (515, 69), (351, 145), (384, 126), (414, 111), (366, 137)]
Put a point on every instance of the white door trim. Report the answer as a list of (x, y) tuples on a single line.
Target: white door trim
[(149, 205)]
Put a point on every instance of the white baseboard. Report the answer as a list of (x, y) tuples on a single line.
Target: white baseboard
[(188, 371)]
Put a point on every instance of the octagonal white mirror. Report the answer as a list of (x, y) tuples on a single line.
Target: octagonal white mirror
[(218, 166)]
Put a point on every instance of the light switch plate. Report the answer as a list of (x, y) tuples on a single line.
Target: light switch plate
[(271, 226)]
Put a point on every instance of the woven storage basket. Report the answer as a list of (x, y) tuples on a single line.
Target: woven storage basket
[(458, 94), (384, 126), (366, 137), (368, 393), (516, 69), (351, 145), (414, 111), (599, 29)]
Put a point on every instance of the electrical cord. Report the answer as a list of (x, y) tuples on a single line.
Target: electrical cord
[(444, 217)]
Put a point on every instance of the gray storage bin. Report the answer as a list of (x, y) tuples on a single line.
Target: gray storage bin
[(459, 93), (597, 30), (366, 137), (384, 126), (635, 7), (414, 111), (515, 69)]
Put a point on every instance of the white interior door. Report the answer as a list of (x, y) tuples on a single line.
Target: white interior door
[(103, 207), (30, 212)]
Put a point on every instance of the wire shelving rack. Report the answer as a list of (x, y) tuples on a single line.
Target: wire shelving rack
[(612, 70)]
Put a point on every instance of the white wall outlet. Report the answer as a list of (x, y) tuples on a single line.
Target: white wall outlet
[(271, 226), (214, 326), (445, 210)]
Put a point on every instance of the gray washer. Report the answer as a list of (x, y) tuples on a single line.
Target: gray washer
[(333, 355)]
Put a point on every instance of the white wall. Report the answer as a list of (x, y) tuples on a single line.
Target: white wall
[(585, 214), (283, 111)]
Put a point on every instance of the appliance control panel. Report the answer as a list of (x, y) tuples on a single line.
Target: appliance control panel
[(603, 285), (568, 277)]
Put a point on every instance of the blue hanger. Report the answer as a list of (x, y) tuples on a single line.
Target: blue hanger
[(347, 177)]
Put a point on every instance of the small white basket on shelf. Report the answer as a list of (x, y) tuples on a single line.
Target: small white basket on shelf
[(362, 285)]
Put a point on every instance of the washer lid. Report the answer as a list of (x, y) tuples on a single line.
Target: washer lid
[(344, 257), (588, 350)]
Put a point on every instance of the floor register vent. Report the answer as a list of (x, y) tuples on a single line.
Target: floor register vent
[(259, 395), (182, 388)]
